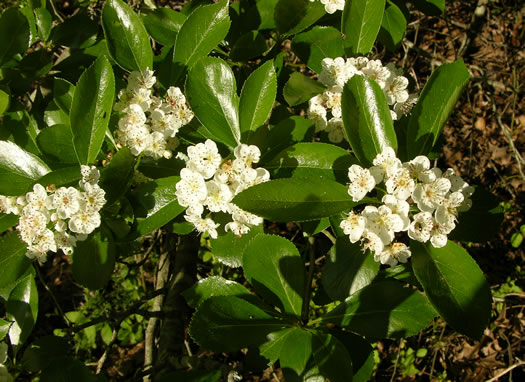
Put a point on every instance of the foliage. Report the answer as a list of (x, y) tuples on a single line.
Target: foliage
[(169, 111)]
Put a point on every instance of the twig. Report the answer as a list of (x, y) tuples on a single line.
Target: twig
[(102, 359), (435, 353), (308, 287), (55, 301), (506, 371), (329, 236), (57, 14), (397, 360), (162, 279)]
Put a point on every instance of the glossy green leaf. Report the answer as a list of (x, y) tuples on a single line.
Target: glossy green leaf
[(18, 169), (4, 329), (22, 308), (91, 109), (260, 16), (67, 369), (212, 93), (229, 249), (296, 350), (248, 46), (93, 261), (361, 353), (65, 176), (63, 92), (44, 22), (204, 29), (156, 204), (294, 16), (275, 341), (13, 262), (300, 199), (4, 102), (316, 44), (300, 88), (393, 27), (53, 115), (43, 351), (430, 7), (78, 31), (14, 34), (383, 309), (455, 286), (116, 176), (329, 359), (482, 221), (257, 97), (7, 221), (366, 118), (273, 266), (126, 37), (312, 160), (347, 269), (213, 286), (229, 323), (436, 103), (360, 23), (163, 24), (57, 142)]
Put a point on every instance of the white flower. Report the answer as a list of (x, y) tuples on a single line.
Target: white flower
[(391, 255), (84, 221), (204, 158), (38, 199), (333, 102), (93, 197), (317, 113), (219, 195), (353, 226), (331, 6), (206, 225), (42, 244), (421, 227), (371, 241), (191, 189), (419, 168), (249, 154), (334, 73), (400, 184), (31, 224), (157, 146), (457, 184), (447, 211), (395, 89), (386, 164), (429, 196), (141, 97), (375, 70), (335, 130), (398, 207), (382, 222), (65, 242), (438, 234), (361, 182), (66, 201)]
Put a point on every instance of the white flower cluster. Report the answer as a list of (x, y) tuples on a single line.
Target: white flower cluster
[(46, 215), (331, 6), (422, 201), (325, 108), (149, 123), (209, 182)]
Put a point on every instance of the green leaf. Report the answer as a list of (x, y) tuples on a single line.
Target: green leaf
[(366, 118), (296, 350), (300, 199), (293, 16), (63, 92), (22, 308), (57, 142), (116, 177), (18, 169), (316, 44), (273, 266), (257, 97), (248, 46), (65, 176), (163, 24), (229, 323), (126, 37), (229, 249), (312, 160), (329, 359), (361, 353), (93, 261), (260, 16), (67, 369), (430, 7), (7, 221), (360, 23), (4, 329), (53, 115), (212, 94), (91, 109), (77, 31), (213, 286), (204, 29), (299, 89), (286, 133), (482, 221), (44, 22), (436, 103), (347, 269), (43, 351), (272, 348), (4, 102), (455, 286), (383, 309), (156, 204), (13, 262), (393, 27), (14, 34)]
